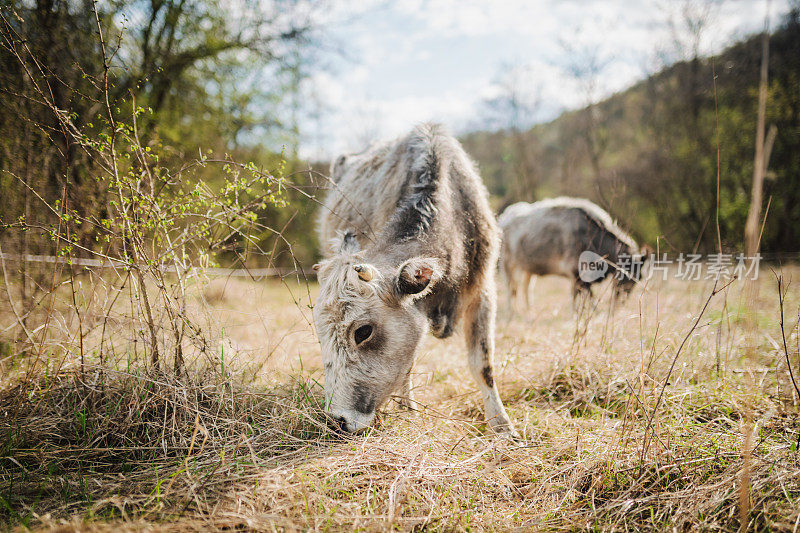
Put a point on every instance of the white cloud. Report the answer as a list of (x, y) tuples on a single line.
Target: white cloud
[(419, 60)]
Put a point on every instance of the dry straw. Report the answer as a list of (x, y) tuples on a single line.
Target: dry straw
[(204, 451)]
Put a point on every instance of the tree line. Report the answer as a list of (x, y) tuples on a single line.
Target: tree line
[(649, 154), (220, 80), (202, 79)]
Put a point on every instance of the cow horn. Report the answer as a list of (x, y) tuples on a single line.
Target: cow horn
[(364, 272)]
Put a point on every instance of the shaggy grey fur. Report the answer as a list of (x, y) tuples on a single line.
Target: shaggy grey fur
[(429, 245), (548, 237)]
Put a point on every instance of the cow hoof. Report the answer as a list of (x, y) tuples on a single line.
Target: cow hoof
[(504, 428), (510, 434), (407, 404), (515, 437)]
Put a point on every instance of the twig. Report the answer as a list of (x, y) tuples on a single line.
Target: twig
[(714, 292), (781, 296)]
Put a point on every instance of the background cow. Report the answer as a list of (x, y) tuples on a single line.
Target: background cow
[(550, 236), (430, 245)]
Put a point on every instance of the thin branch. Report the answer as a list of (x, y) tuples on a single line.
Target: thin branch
[(714, 292)]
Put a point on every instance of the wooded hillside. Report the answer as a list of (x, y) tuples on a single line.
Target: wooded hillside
[(649, 154)]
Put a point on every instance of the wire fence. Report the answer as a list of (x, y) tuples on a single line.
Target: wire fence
[(217, 272)]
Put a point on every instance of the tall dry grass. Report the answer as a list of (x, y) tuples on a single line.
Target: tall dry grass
[(243, 444)]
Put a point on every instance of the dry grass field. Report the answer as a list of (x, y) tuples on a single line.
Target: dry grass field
[(611, 438)]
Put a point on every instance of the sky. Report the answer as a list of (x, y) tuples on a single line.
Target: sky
[(397, 63)]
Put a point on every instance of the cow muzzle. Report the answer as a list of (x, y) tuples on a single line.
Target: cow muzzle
[(350, 421)]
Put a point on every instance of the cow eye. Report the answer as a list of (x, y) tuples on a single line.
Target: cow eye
[(362, 333)]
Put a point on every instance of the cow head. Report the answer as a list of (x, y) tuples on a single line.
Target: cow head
[(631, 272), (369, 329)]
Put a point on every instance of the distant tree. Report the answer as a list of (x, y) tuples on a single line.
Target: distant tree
[(208, 74), (585, 65), (660, 162), (681, 124), (513, 109), (763, 149)]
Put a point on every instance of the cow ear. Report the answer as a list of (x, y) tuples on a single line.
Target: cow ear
[(417, 276), (319, 268)]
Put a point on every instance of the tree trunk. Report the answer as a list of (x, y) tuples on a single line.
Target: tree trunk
[(751, 229)]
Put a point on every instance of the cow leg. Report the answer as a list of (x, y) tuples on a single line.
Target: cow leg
[(511, 283), (581, 295), (526, 287), (443, 316), (479, 333), (508, 276)]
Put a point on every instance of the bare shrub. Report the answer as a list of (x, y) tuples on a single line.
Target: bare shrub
[(152, 231)]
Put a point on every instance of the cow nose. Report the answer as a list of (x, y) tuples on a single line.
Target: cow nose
[(337, 422), (350, 421)]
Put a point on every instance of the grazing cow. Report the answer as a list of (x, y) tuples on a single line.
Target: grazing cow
[(569, 237), (414, 247)]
